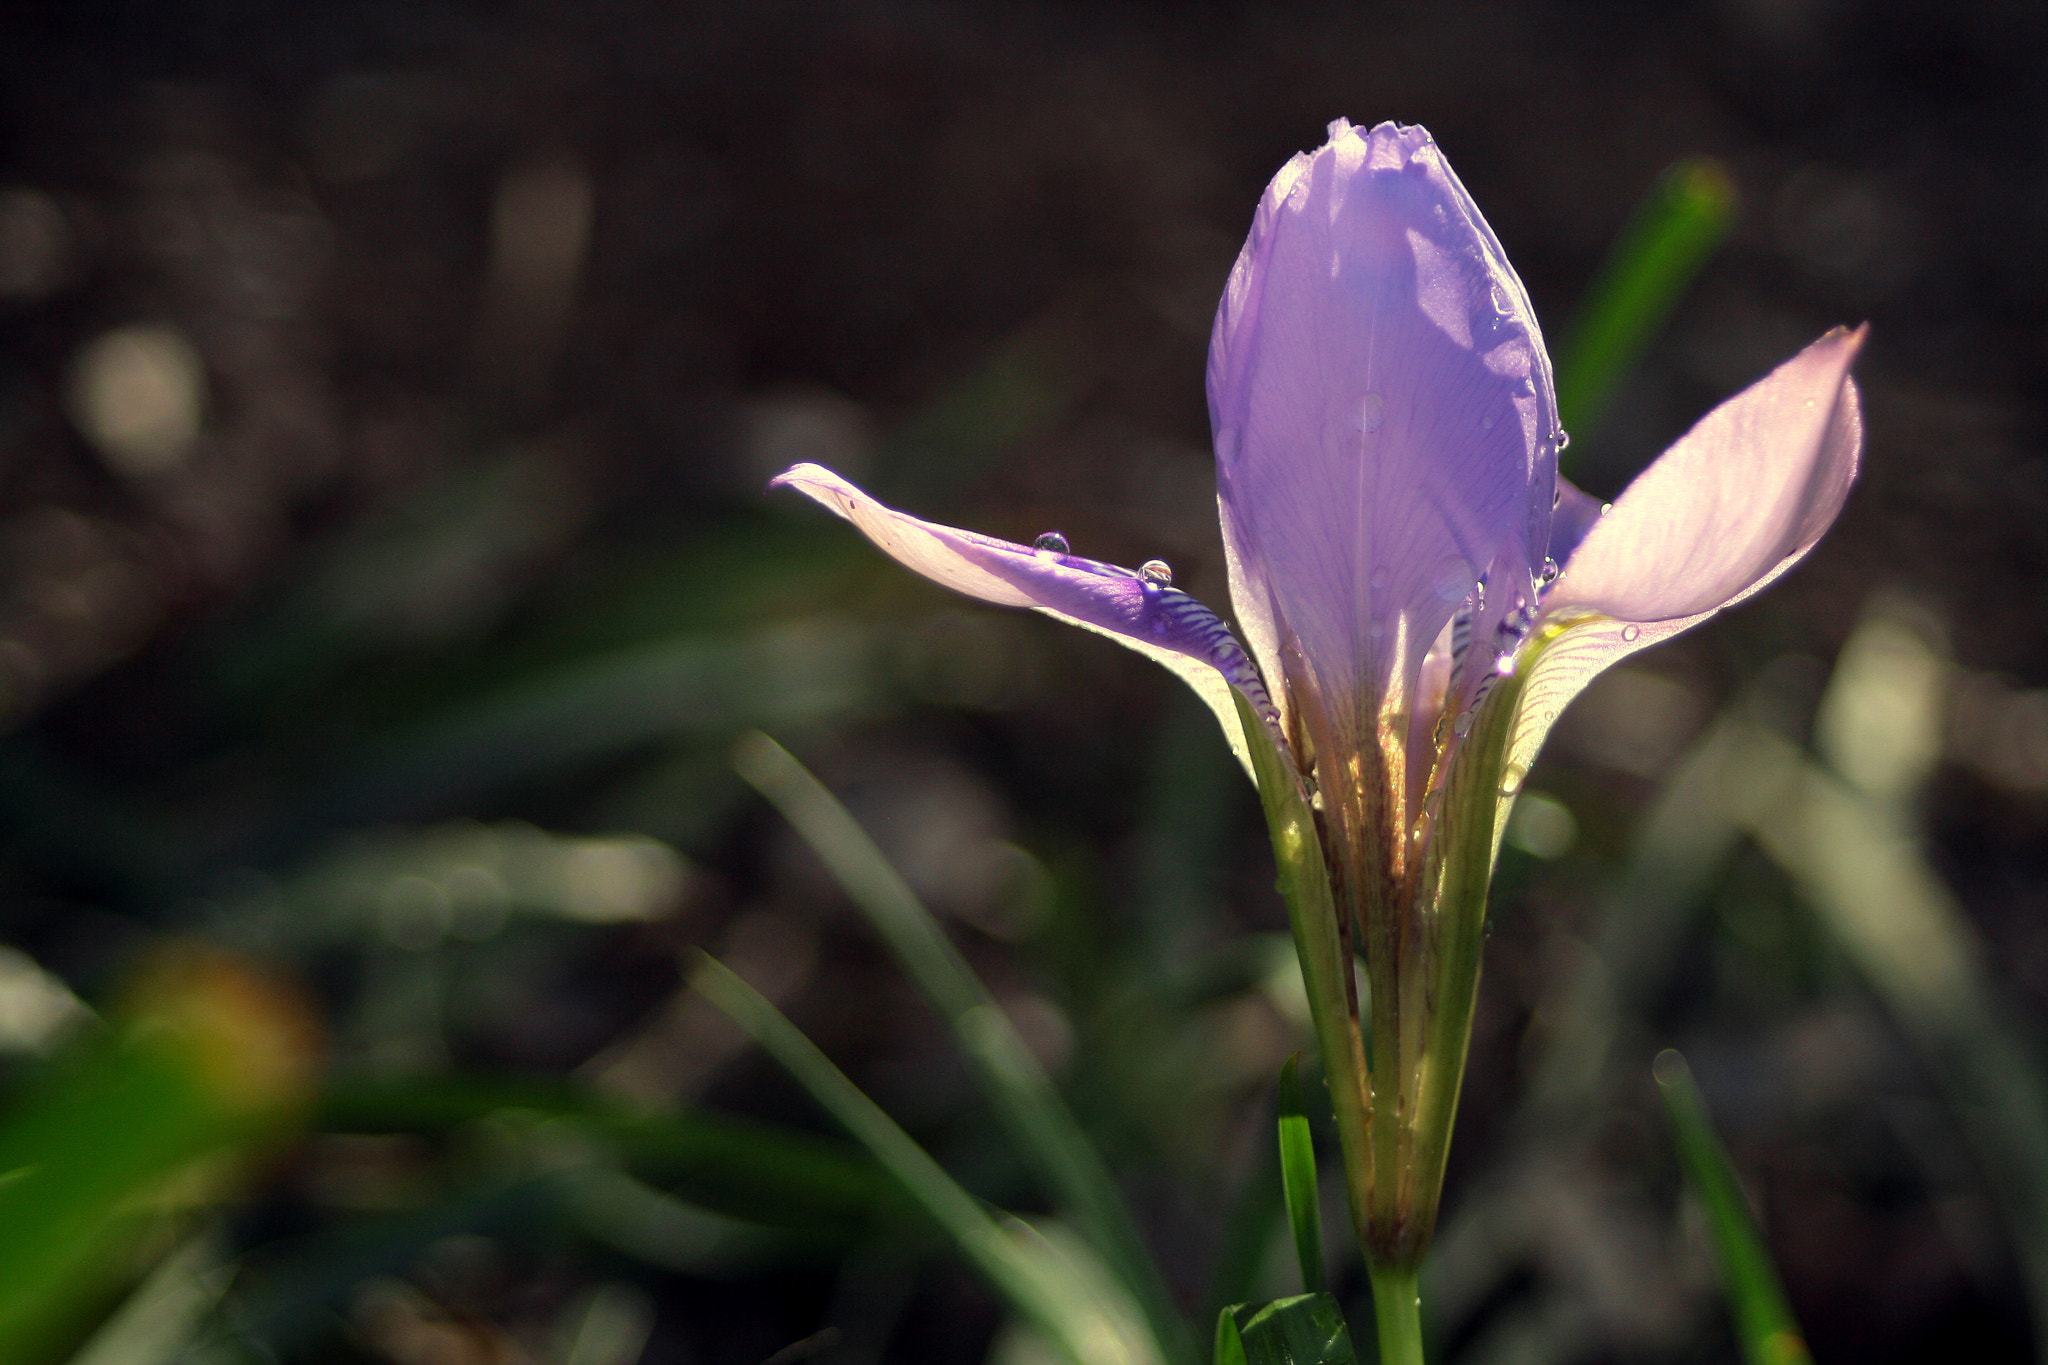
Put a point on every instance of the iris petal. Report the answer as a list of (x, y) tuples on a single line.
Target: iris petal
[(1736, 502), (1155, 619), (1756, 481), (1384, 423)]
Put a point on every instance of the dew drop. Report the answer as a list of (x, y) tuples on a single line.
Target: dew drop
[(1051, 543), (1564, 439), (1479, 595), (1504, 666), (1375, 630), (1372, 413), (1380, 578), (1549, 573), (1486, 422), (1556, 499), (1605, 508), (1156, 571), (1631, 632), (1462, 723), (1511, 780)]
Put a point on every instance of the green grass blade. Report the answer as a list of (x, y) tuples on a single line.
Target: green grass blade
[(1009, 1075), (1672, 234), (1763, 1319), (1298, 1178), (751, 1170), (1305, 1330), (1049, 1284)]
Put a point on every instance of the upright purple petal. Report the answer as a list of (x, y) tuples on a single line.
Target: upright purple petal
[(1384, 422), (1140, 610)]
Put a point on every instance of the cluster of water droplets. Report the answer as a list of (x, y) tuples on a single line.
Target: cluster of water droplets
[(1052, 545)]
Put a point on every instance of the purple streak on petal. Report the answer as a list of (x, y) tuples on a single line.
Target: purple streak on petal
[(1753, 485), (1384, 422), (1152, 617)]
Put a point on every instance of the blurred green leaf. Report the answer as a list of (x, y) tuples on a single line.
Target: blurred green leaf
[(1054, 1283), (752, 1170), (1763, 1319), (1009, 1075), (1305, 1330), (1298, 1178), (136, 1129), (1663, 247), (1848, 835), (168, 1310)]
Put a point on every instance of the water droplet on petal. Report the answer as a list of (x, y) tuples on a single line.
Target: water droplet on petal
[(1631, 632), (1462, 723), (1372, 413), (1605, 508), (1505, 665), (1051, 543), (1380, 578), (1156, 571), (1486, 422), (1549, 573), (1556, 498), (1511, 780), (1564, 439), (1375, 630), (1226, 445)]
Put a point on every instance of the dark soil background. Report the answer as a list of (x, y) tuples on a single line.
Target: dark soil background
[(474, 333)]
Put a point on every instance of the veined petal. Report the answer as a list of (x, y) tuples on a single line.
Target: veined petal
[(1736, 502), (1384, 422), (1154, 618), (1755, 482), (1381, 401)]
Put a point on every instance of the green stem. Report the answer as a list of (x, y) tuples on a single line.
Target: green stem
[(1397, 1308)]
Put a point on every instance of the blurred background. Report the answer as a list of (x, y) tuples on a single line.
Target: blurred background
[(387, 393)]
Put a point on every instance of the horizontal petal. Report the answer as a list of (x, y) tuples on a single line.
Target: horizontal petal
[(1754, 484), (1382, 408), (1144, 613)]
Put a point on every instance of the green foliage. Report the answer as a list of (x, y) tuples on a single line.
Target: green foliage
[(1053, 1283), (1305, 1330), (1298, 1178), (130, 1135), (1672, 235), (1763, 1319), (1010, 1076)]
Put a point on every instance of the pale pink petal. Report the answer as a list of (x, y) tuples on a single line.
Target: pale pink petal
[(1754, 484)]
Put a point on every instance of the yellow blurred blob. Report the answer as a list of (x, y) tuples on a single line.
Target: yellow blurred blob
[(138, 394)]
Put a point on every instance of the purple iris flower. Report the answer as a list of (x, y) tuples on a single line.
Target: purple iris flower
[(1386, 454), (1420, 593)]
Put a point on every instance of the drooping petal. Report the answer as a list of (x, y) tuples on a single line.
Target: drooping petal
[(1736, 502), (1384, 422), (1152, 617)]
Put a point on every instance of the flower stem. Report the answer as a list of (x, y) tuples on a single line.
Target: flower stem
[(1397, 1308)]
